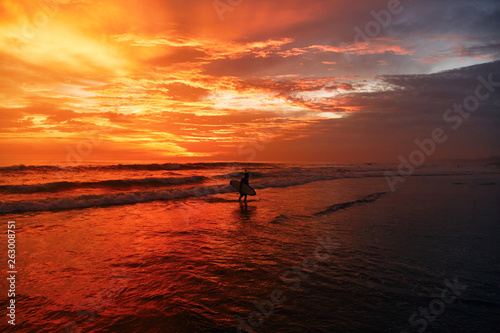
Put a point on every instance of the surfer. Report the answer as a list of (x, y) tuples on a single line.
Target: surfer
[(244, 180)]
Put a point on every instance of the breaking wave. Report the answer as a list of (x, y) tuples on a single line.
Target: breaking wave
[(133, 197), (127, 198), (111, 184)]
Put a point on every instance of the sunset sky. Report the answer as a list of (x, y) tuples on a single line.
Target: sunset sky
[(251, 80)]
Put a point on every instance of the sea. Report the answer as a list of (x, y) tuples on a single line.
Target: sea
[(168, 247)]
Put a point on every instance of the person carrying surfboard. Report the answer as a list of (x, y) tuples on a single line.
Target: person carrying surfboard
[(244, 180), (243, 187)]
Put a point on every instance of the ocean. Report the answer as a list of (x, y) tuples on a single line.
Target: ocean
[(320, 248)]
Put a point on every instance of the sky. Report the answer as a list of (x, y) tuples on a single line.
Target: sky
[(247, 80)]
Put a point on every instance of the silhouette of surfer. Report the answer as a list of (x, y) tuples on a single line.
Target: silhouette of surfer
[(244, 180)]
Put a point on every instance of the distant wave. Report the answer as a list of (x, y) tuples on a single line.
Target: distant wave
[(369, 198), (113, 184), (184, 166), (145, 167), (253, 174), (284, 179)]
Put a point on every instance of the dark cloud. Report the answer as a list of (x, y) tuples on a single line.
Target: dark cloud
[(479, 19), (179, 55), (391, 121), (488, 50), (286, 87), (185, 92), (435, 31), (249, 66), (436, 92)]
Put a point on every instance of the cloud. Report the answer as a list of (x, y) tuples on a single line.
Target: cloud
[(171, 78), (484, 52), (186, 92)]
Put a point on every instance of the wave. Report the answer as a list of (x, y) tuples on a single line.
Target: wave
[(87, 201), (112, 184), (369, 198), (133, 197), (138, 167), (285, 180), (253, 174)]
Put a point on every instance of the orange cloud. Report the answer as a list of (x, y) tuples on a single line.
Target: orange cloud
[(170, 79)]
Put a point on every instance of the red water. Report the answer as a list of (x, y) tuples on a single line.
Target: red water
[(193, 265)]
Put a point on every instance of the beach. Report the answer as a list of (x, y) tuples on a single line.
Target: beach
[(330, 249), (254, 166)]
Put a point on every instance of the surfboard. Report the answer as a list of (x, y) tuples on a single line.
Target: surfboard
[(245, 189)]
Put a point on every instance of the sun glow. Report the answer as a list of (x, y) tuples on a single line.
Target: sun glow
[(171, 79)]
